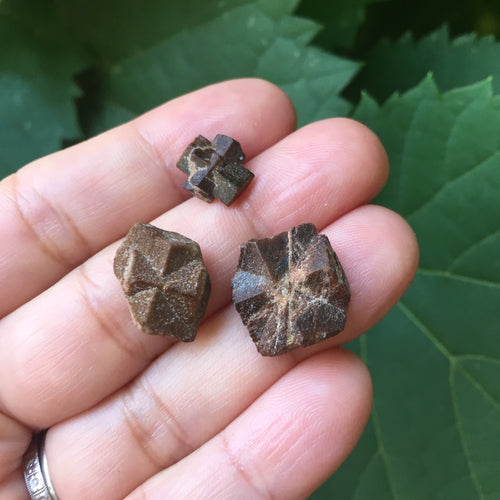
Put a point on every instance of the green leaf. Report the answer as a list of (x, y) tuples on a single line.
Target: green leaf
[(260, 39), (435, 359), (36, 86), (394, 18), (37, 65), (398, 66), (341, 20), (117, 29)]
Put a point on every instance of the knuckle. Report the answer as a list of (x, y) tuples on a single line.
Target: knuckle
[(53, 230), (153, 425)]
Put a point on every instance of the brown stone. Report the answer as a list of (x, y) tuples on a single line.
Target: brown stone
[(290, 290), (214, 169), (165, 281)]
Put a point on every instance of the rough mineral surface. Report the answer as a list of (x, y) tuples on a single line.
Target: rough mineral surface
[(165, 281), (214, 169), (290, 290)]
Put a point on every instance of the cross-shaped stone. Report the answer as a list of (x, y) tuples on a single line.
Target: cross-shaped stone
[(214, 169), (164, 279)]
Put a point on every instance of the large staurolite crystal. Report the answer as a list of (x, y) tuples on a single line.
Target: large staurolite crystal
[(164, 279), (290, 290), (214, 169)]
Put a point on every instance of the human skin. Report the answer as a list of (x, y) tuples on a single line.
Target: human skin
[(138, 416)]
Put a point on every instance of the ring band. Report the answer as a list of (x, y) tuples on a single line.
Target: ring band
[(36, 473)]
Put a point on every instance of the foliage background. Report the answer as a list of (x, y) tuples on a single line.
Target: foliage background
[(426, 77)]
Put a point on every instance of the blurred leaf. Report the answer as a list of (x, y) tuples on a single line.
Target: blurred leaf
[(435, 359), (398, 66), (259, 39), (394, 18), (120, 28), (37, 65), (340, 19)]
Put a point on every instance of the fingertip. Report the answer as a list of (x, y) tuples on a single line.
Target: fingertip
[(275, 99), (261, 110), (319, 173), (379, 254), (393, 258), (347, 146), (340, 378), (377, 150), (405, 260), (315, 416), (364, 146)]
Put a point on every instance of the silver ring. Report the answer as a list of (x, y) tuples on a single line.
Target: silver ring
[(36, 472)]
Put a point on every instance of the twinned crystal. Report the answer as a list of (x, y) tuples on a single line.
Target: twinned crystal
[(214, 169), (290, 290), (165, 281)]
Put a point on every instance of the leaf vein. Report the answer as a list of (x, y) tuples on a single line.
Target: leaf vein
[(452, 362), (480, 388), (425, 330), (459, 277), (478, 357), (362, 472), (472, 247), (447, 185), (404, 154), (377, 430), (461, 433)]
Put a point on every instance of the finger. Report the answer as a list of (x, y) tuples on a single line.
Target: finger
[(343, 165), (59, 210), (13, 487), (286, 444), (14, 440), (164, 415)]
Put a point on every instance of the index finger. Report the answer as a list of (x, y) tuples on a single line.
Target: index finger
[(61, 209)]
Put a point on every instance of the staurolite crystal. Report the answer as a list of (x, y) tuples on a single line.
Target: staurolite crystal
[(214, 169), (290, 290), (165, 281)]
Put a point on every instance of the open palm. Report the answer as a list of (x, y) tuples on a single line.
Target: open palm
[(138, 416)]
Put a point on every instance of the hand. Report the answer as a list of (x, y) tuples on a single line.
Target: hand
[(143, 416)]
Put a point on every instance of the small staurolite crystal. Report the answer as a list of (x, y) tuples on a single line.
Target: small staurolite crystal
[(290, 290), (214, 169), (164, 279)]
